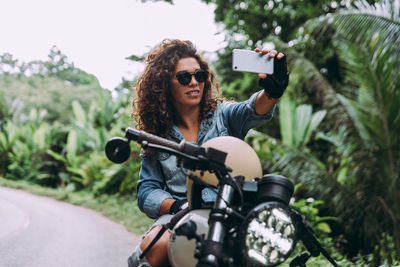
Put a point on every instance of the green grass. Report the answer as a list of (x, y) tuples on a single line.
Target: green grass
[(120, 209)]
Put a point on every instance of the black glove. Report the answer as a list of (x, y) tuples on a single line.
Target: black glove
[(177, 206), (275, 84)]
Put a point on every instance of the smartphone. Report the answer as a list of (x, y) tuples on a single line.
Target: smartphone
[(250, 61)]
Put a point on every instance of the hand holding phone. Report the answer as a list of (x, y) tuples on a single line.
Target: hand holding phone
[(274, 65), (250, 61)]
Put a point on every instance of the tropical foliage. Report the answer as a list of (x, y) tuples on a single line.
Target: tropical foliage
[(368, 141), (343, 61), (68, 151)]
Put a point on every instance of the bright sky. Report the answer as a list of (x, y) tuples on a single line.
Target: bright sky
[(97, 35)]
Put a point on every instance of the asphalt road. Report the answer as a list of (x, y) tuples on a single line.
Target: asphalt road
[(39, 231)]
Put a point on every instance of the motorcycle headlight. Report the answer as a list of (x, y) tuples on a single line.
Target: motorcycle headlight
[(268, 235)]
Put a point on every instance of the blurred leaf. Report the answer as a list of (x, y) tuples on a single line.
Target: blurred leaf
[(79, 113), (286, 120), (57, 156), (297, 123), (136, 58), (72, 145), (302, 122), (324, 227)]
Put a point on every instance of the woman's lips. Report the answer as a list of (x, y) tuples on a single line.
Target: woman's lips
[(193, 93)]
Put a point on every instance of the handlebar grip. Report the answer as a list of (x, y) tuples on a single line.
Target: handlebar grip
[(139, 136)]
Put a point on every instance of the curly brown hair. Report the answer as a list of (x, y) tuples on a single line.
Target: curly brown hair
[(152, 106)]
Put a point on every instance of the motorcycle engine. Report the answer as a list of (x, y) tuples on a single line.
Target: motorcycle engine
[(180, 249)]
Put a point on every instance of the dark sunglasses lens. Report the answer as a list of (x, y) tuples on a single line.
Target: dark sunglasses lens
[(184, 78), (200, 76)]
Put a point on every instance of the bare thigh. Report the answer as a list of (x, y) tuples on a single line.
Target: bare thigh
[(157, 255)]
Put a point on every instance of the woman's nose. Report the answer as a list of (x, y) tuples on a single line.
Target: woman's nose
[(193, 80)]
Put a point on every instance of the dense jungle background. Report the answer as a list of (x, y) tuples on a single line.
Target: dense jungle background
[(335, 134)]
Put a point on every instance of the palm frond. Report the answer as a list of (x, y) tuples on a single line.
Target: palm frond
[(376, 104), (369, 25)]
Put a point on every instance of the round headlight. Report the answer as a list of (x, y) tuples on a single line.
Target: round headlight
[(268, 235)]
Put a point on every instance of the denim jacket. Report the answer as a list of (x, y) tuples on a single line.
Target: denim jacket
[(161, 178)]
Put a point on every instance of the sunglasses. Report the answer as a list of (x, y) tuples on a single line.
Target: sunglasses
[(184, 77)]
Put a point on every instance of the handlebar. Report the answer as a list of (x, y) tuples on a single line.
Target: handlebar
[(140, 136), (184, 147), (118, 150)]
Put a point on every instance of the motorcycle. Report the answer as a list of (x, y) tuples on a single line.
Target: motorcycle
[(250, 223)]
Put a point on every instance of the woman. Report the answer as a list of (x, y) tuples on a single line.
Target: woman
[(175, 100)]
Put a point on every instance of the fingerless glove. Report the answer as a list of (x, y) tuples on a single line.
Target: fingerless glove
[(177, 206), (275, 84)]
